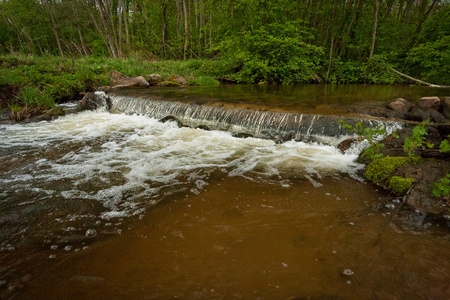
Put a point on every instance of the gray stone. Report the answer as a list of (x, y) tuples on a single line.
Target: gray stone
[(154, 79), (178, 79), (399, 104), (445, 107), (118, 80), (429, 102)]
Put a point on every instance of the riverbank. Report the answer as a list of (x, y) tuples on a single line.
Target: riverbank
[(69, 79)]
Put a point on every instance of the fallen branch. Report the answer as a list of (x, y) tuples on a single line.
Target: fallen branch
[(420, 81)]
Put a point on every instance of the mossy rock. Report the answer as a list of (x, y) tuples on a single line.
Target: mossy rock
[(400, 185), (169, 83), (379, 170)]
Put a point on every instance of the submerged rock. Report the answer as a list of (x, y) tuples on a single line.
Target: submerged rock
[(51, 114)]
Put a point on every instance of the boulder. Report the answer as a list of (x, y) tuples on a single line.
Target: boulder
[(95, 100), (429, 103), (346, 144), (445, 107), (118, 80), (420, 197), (154, 79), (424, 114), (399, 104), (178, 79)]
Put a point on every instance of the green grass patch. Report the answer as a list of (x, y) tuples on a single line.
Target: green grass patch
[(68, 79), (30, 96)]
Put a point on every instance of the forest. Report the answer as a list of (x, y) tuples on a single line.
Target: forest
[(281, 41)]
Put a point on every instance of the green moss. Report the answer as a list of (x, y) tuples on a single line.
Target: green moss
[(400, 185), (380, 169)]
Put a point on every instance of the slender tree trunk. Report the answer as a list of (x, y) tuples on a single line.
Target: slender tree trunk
[(16, 29), (108, 35), (374, 29), (83, 45), (120, 5), (164, 27), (423, 20), (179, 13), (125, 19), (186, 30), (330, 59), (47, 7)]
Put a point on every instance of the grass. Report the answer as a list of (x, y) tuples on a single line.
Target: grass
[(43, 80), (30, 96), (69, 78)]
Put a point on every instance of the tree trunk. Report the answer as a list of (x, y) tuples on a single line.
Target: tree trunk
[(186, 30), (425, 17), (108, 35), (164, 27), (330, 60), (374, 29), (54, 29), (119, 27), (125, 19), (419, 81), (179, 13), (83, 45)]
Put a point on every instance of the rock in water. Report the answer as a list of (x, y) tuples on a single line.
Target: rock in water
[(94, 100), (429, 102)]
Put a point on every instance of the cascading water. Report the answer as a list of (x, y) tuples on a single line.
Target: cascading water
[(276, 126)]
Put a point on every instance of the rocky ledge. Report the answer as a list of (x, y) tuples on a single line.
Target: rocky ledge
[(415, 163)]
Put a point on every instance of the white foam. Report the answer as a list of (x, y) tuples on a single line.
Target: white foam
[(128, 161)]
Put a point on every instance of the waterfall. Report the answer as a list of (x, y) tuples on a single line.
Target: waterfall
[(276, 126)]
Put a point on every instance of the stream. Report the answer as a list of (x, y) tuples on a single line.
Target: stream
[(101, 205)]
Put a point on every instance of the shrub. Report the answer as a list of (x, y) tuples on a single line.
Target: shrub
[(276, 53)]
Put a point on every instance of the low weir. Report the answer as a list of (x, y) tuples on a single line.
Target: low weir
[(273, 125)]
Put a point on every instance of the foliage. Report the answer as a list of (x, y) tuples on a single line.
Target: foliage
[(431, 61), (442, 188), (444, 146), (379, 170), (400, 185), (259, 40), (375, 70), (276, 53), (417, 140), (369, 134), (33, 97)]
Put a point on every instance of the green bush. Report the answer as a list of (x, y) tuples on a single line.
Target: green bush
[(276, 53), (430, 61)]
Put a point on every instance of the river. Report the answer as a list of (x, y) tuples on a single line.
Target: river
[(97, 205)]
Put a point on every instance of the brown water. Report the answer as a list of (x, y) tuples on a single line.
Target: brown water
[(326, 99), (243, 239), (110, 206)]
